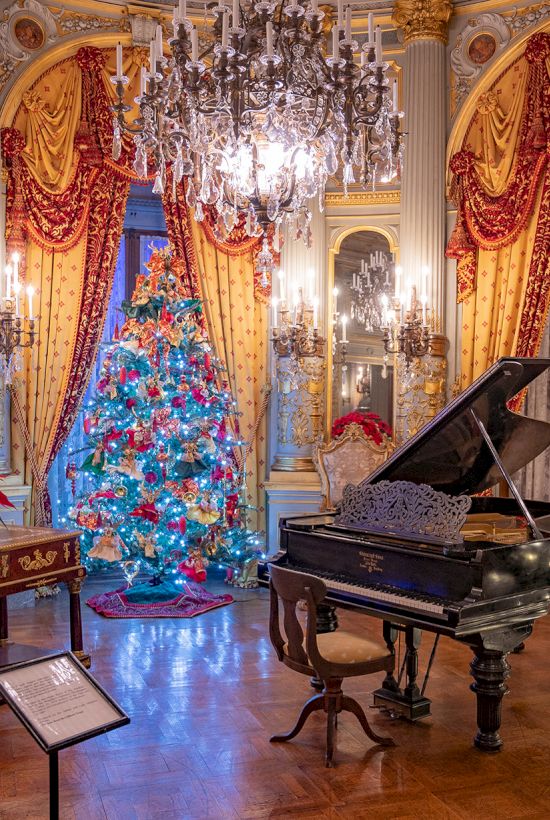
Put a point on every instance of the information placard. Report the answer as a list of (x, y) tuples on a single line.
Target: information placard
[(58, 701)]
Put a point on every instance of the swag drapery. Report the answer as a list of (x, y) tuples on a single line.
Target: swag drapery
[(236, 316), (65, 213), (66, 204), (501, 240)]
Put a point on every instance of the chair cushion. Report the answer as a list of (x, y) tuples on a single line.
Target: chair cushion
[(345, 647)]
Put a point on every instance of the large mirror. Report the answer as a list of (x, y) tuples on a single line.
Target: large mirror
[(364, 275)]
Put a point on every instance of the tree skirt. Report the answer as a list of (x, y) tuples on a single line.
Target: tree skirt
[(165, 600)]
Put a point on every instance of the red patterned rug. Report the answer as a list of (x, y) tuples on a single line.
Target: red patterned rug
[(157, 601)]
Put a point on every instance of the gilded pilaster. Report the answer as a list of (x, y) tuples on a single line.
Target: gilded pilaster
[(423, 19)]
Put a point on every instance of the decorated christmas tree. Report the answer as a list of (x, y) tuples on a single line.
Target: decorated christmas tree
[(163, 435)]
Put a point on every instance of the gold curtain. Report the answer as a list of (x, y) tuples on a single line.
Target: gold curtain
[(501, 184), (66, 205), (237, 326), (56, 278)]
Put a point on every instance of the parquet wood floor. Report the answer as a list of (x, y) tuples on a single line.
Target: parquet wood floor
[(204, 695)]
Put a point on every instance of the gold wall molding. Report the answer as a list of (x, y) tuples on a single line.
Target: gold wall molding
[(361, 198), (423, 19)]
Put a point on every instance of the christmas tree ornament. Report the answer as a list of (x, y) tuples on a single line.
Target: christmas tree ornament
[(107, 546), (130, 570)]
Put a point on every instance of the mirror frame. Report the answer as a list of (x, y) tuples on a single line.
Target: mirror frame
[(333, 251)]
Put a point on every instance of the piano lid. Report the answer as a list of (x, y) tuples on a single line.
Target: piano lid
[(450, 453)]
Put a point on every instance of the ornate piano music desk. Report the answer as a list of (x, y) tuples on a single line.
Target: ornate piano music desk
[(412, 546), (32, 557)]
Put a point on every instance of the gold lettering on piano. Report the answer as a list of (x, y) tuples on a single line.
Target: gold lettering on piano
[(39, 561), (371, 561)]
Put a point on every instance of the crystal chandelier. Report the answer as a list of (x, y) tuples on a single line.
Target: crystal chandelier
[(369, 285), (259, 118)]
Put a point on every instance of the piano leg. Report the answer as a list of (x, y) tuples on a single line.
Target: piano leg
[(489, 669), (408, 703)]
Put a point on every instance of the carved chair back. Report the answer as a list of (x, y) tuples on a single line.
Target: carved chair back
[(348, 459), (287, 588)]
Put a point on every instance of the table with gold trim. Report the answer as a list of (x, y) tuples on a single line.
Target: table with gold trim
[(32, 557)]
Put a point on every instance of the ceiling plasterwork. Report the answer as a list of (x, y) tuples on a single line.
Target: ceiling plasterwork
[(481, 40)]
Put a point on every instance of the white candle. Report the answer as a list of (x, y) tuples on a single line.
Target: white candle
[(30, 294), (314, 6), (225, 29), (398, 271), (282, 294), (371, 27), (340, 13), (384, 301), (363, 60), (159, 42), (425, 275), (17, 290), (194, 45), (182, 10), (395, 101), (335, 296), (344, 328), (235, 15), (378, 46), (335, 42), (275, 306), (348, 23), (424, 301), (152, 57), (269, 38), (7, 270), (315, 312), (15, 268), (409, 292), (143, 81), (119, 60)]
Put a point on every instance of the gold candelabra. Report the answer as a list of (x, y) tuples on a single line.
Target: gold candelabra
[(410, 334), (295, 332), (14, 336)]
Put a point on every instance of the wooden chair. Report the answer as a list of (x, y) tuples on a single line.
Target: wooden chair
[(347, 459), (333, 656)]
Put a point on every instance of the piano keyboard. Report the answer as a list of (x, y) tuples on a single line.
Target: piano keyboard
[(379, 592)]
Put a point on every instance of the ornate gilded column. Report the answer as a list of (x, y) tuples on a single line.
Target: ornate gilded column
[(421, 388), (424, 25), (298, 402)]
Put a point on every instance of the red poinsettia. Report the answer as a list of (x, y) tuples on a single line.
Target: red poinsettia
[(371, 424)]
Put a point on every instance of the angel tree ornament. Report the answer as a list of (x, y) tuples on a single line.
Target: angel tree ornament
[(162, 455)]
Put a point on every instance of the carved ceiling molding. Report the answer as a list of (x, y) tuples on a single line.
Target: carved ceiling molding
[(479, 41), (423, 19), (29, 29)]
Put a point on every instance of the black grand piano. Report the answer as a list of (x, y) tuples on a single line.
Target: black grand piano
[(412, 546)]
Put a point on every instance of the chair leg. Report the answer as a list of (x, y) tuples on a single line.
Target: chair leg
[(351, 705), (314, 704), (331, 731)]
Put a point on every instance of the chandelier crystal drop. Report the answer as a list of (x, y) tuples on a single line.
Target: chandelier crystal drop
[(260, 117)]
